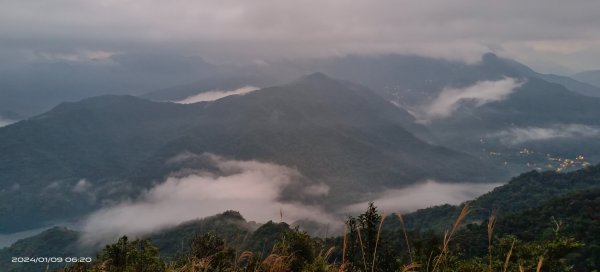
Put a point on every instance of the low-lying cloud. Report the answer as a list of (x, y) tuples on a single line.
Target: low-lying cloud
[(250, 187), (426, 194), (256, 190), (216, 94), (483, 92), (519, 135), (5, 122)]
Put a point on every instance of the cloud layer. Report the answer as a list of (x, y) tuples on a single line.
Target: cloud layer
[(426, 194), (251, 187), (519, 135), (255, 189), (216, 94), (557, 31), (450, 99)]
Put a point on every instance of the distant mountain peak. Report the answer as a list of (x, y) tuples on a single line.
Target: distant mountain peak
[(490, 57), (316, 77)]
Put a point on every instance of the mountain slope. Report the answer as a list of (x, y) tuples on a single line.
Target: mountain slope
[(575, 216), (173, 242), (590, 77), (54, 242), (574, 84), (525, 192), (538, 126), (37, 87), (81, 156)]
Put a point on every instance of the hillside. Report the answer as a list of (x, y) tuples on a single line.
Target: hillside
[(590, 77), (575, 215), (173, 242), (81, 156), (53, 242), (527, 191)]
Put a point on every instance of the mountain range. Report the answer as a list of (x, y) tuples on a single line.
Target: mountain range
[(361, 127), (84, 155), (548, 118)]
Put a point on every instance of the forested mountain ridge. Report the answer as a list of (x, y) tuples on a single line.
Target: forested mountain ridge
[(56, 165), (527, 191)]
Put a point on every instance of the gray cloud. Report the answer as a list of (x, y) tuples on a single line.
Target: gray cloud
[(519, 135), (558, 31), (426, 194), (251, 187), (479, 94), (216, 94)]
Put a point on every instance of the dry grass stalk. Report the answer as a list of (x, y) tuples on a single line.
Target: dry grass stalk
[(345, 244), (539, 265), (429, 260), (246, 255), (362, 247), (410, 267), (405, 236), (276, 263), (449, 235), (508, 256), (490, 230), (328, 253), (377, 242)]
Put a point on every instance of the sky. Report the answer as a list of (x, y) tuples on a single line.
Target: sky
[(549, 35)]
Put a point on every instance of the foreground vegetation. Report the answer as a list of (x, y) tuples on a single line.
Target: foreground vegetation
[(365, 246)]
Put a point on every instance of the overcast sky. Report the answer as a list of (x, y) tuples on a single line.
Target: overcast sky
[(550, 35)]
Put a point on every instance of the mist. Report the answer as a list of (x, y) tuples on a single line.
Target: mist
[(483, 92), (253, 188), (8, 239), (5, 122), (519, 135), (424, 195), (216, 94)]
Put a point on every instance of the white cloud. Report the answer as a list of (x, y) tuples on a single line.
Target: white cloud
[(251, 187), (519, 135), (479, 94), (53, 185), (5, 122), (255, 189), (216, 94), (320, 189), (82, 186), (423, 195)]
